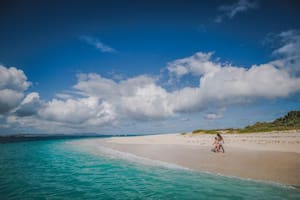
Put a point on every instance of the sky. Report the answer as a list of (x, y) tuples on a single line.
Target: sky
[(141, 67)]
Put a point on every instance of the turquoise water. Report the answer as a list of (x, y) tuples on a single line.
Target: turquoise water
[(59, 169)]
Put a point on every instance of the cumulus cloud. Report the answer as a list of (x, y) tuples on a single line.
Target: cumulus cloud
[(98, 44), (221, 83), (150, 101), (230, 11), (198, 64), (13, 82), (30, 105), (95, 101), (138, 97), (87, 111), (65, 116)]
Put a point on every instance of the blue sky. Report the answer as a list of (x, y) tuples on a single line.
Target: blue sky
[(142, 67)]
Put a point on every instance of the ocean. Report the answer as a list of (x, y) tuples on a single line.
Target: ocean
[(63, 169)]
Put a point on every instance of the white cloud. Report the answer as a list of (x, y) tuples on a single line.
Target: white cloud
[(213, 116), (198, 64), (95, 102), (30, 105), (148, 102), (98, 44), (289, 53), (219, 84), (13, 82), (226, 84), (83, 111), (230, 11), (257, 81), (94, 85), (139, 97)]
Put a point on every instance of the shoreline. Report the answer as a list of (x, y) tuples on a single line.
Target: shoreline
[(271, 157)]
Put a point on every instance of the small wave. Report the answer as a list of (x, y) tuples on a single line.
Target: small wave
[(251, 180), (115, 154)]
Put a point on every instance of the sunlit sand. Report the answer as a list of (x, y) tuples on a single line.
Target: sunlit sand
[(263, 156)]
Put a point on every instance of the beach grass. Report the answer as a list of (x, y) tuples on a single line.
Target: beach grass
[(291, 121)]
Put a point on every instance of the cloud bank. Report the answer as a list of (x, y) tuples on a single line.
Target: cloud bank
[(96, 102)]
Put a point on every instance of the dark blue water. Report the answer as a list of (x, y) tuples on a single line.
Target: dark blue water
[(58, 169)]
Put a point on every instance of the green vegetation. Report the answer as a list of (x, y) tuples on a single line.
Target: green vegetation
[(288, 122), (291, 121), (212, 131)]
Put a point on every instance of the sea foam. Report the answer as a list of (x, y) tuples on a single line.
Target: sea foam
[(116, 154)]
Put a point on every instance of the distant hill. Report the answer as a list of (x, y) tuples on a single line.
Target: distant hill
[(290, 121)]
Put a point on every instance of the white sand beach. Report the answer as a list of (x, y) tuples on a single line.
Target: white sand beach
[(272, 156)]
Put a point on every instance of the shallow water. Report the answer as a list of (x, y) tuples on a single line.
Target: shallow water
[(62, 169)]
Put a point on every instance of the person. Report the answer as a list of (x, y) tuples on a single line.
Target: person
[(216, 144), (221, 143)]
